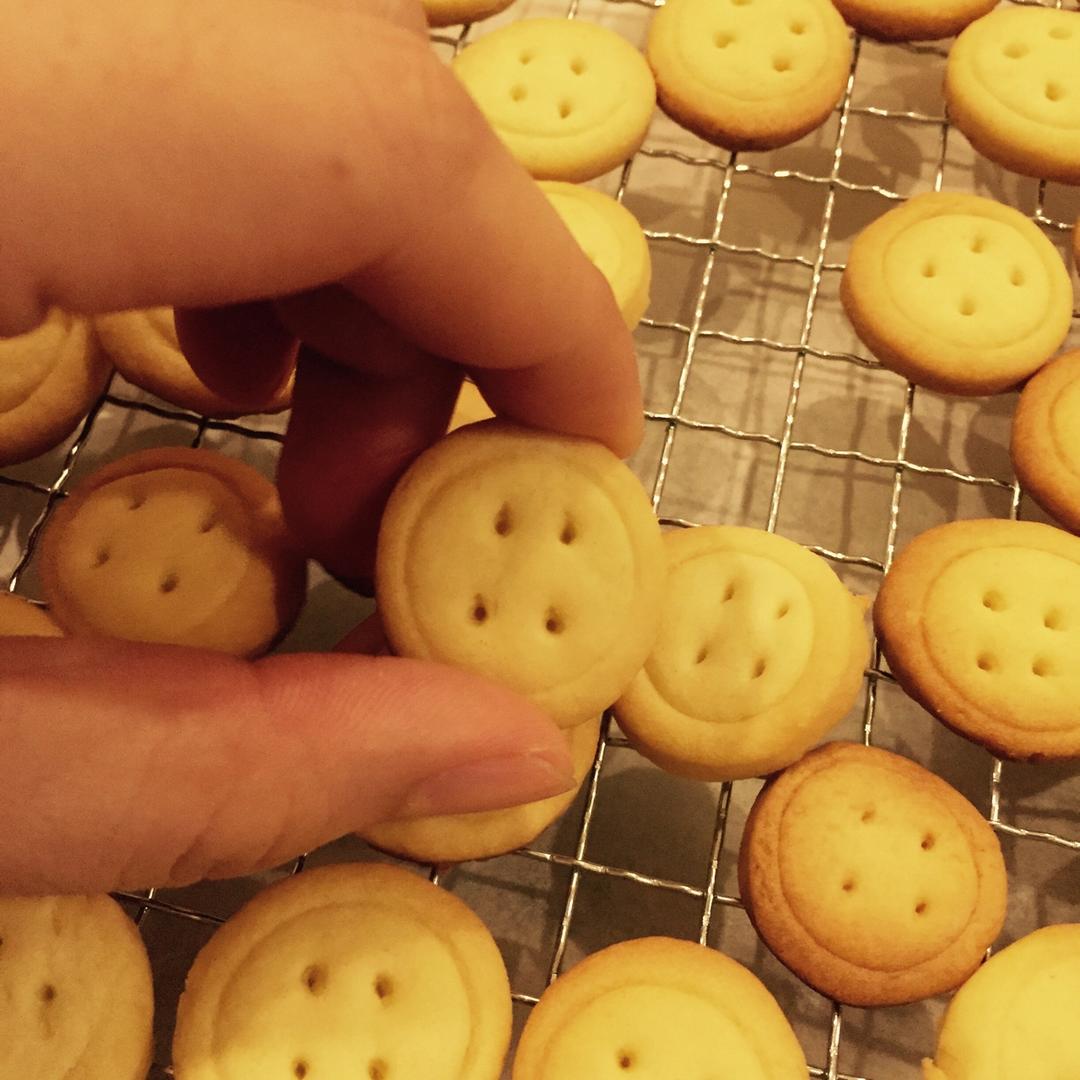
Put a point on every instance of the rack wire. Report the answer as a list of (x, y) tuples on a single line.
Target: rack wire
[(708, 893)]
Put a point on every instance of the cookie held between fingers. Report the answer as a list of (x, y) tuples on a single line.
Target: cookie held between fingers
[(658, 1008), (1026, 995), (1012, 85), (749, 74), (957, 293), (531, 558), (761, 651), (144, 347), (1045, 445), (870, 877), (570, 99), (174, 546), (980, 623), (612, 239), (912, 20), (49, 378), (355, 970), (76, 987), (20, 618)]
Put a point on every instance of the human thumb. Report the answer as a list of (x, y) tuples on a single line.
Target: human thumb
[(129, 765)]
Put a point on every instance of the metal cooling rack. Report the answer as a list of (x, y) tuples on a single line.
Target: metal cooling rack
[(709, 895)]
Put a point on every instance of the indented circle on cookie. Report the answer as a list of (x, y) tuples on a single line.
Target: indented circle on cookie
[(1012, 84), (912, 20), (749, 74), (49, 379), (980, 623), (761, 650), (957, 293), (1045, 443), (1026, 997), (361, 970), (76, 990), (612, 239), (464, 837), (569, 98), (658, 1008), (174, 546), (870, 877), (528, 557), (145, 349)]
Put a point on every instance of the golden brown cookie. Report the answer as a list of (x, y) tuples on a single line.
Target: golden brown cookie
[(528, 557), (1012, 85), (658, 1009), (957, 293), (362, 970), (20, 618), (76, 999), (870, 877), (749, 74), (144, 347), (1046, 439), (980, 623), (1016, 1016), (49, 378), (761, 651), (912, 20), (569, 98), (175, 546)]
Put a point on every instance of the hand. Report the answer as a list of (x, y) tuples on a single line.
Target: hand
[(275, 166)]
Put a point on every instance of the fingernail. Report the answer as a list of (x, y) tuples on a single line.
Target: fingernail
[(491, 784)]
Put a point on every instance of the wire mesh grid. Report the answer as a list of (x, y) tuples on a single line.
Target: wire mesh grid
[(656, 464)]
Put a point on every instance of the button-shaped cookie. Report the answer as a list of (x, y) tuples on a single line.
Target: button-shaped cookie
[(174, 546), (870, 877), (361, 970), (49, 378), (749, 74), (570, 99), (1026, 996), (528, 557), (612, 239), (1012, 85), (980, 623), (145, 349), (76, 990), (656, 1009), (761, 650), (957, 293), (1045, 443), (912, 20)]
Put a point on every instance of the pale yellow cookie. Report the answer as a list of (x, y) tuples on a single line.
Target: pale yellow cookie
[(957, 293), (470, 408), (49, 378), (1045, 444), (980, 623), (174, 546), (1012, 85), (528, 557), (20, 618), (612, 238), (749, 74), (569, 98), (912, 20), (144, 347), (761, 651), (76, 999), (451, 12), (658, 1009), (870, 877), (361, 971), (455, 838), (1016, 1016)]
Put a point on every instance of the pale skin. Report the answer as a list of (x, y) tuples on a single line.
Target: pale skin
[(280, 169)]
